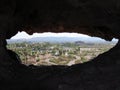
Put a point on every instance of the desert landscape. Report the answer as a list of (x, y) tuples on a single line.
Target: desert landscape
[(45, 53)]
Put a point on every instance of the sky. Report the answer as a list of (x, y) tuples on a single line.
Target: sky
[(24, 35)]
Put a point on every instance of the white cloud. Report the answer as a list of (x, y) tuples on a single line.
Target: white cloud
[(24, 35), (21, 35)]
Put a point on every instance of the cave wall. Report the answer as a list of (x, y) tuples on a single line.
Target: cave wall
[(92, 17), (101, 73)]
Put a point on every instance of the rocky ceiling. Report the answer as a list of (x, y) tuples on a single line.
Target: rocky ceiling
[(92, 17)]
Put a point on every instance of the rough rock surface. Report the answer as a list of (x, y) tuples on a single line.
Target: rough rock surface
[(102, 73), (93, 17)]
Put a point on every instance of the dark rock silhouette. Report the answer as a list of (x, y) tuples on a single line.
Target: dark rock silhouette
[(92, 17), (102, 73)]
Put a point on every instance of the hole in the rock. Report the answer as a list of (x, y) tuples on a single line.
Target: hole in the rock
[(57, 48)]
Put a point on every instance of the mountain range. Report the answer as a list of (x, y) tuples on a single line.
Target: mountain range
[(61, 40)]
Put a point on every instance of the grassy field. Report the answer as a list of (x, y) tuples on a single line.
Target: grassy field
[(57, 54)]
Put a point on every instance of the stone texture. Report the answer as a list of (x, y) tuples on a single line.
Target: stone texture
[(102, 73), (93, 17)]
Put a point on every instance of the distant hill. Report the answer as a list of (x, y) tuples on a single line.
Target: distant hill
[(60, 40), (79, 42)]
